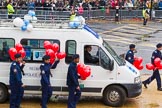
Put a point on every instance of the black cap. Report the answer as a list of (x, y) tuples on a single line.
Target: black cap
[(159, 45), (88, 46), (132, 46), (46, 57), (75, 56), (17, 55)]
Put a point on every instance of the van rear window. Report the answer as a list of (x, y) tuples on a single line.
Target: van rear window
[(34, 49), (5, 45)]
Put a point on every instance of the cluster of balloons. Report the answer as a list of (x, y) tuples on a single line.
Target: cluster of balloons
[(78, 21), (157, 64), (24, 25), (138, 63), (31, 16), (15, 50), (52, 51), (83, 71)]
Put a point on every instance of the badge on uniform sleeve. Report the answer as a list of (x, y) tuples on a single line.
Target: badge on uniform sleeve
[(43, 72), (15, 70), (129, 58)]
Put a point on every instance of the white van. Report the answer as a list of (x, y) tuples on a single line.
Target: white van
[(112, 77)]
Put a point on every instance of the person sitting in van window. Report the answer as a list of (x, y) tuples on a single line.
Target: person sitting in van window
[(45, 79), (130, 54), (88, 58)]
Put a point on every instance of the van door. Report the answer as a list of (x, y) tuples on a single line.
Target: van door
[(95, 57)]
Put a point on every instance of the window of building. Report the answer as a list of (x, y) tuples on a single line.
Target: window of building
[(70, 50), (5, 45)]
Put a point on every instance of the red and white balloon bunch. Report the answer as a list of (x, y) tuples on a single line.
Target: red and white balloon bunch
[(52, 51), (138, 63), (83, 71), (157, 64), (15, 50)]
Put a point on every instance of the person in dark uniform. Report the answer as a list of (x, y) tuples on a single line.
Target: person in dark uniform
[(88, 58), (155, 75), (72, 83), (45, 79), (130, 54), (15, 81)]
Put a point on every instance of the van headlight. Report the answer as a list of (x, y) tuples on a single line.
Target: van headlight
[(137, 79)]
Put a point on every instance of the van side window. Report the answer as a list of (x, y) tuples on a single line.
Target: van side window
[(104, 60), (5, 45), (34, 49), (91, 54), (70, 49)]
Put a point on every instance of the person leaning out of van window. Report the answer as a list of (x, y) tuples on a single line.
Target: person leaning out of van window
[(72, 83), (16, 85), (130, 54), (10, 10), (45, 79), (88, 58)]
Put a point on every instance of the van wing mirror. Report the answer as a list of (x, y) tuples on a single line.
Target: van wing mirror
[(111, 65)]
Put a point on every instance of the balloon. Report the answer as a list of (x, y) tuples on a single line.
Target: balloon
[(55, 47), (150, 66), (83, 78), (23, 53), (18, 22), (160, 66), (51, 53), (52, 60), (61, 55), (139, 59), (157, 62), (71, 25), (12, 52), (47, 45), (26, 22), (23, 28), (31, 13), (34, 19), (87, 71), (80, 69), (140, 67), (81, 19), (27, 17), (18, 47), (29, 27), (76, 24)]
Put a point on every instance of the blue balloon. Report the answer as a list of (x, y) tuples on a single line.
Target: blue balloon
[(76, 24), (24, 27), (71, 25), (31, 13), (26, 22)]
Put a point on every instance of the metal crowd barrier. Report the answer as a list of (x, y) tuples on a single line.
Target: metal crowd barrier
[(87, 14)]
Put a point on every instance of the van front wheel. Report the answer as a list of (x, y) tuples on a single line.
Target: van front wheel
[(3, 93), (114, 96)]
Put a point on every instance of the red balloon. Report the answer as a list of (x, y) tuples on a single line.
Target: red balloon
[(12, 52), (47, 45), (149, 66), (55, 47), (18, 47), (157, 62), (52, 60), (83, 78), (160, 66), (51, 53), (80, 69), (139, 59), (23, 53), (140, 67), (61, 55)]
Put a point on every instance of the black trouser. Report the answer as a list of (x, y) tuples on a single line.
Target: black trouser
[(9, 16), (144, 21)]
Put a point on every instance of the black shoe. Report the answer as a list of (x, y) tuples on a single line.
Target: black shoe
[(159, 89), (145, 85)]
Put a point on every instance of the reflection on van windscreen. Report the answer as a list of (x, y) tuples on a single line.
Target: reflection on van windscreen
[(119, 60)]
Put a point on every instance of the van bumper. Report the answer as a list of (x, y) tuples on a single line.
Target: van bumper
[(133, 90)]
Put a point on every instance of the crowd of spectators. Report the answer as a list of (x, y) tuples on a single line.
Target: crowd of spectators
[(64, 5)]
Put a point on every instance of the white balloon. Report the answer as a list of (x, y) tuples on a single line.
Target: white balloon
[(82, 20), (34, 19), (18, 22), (30, 27), (27, 17)]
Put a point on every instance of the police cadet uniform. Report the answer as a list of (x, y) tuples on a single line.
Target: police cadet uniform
[(130, 54), (72, 83), (155, 75), (15, 82), (45, 80)]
